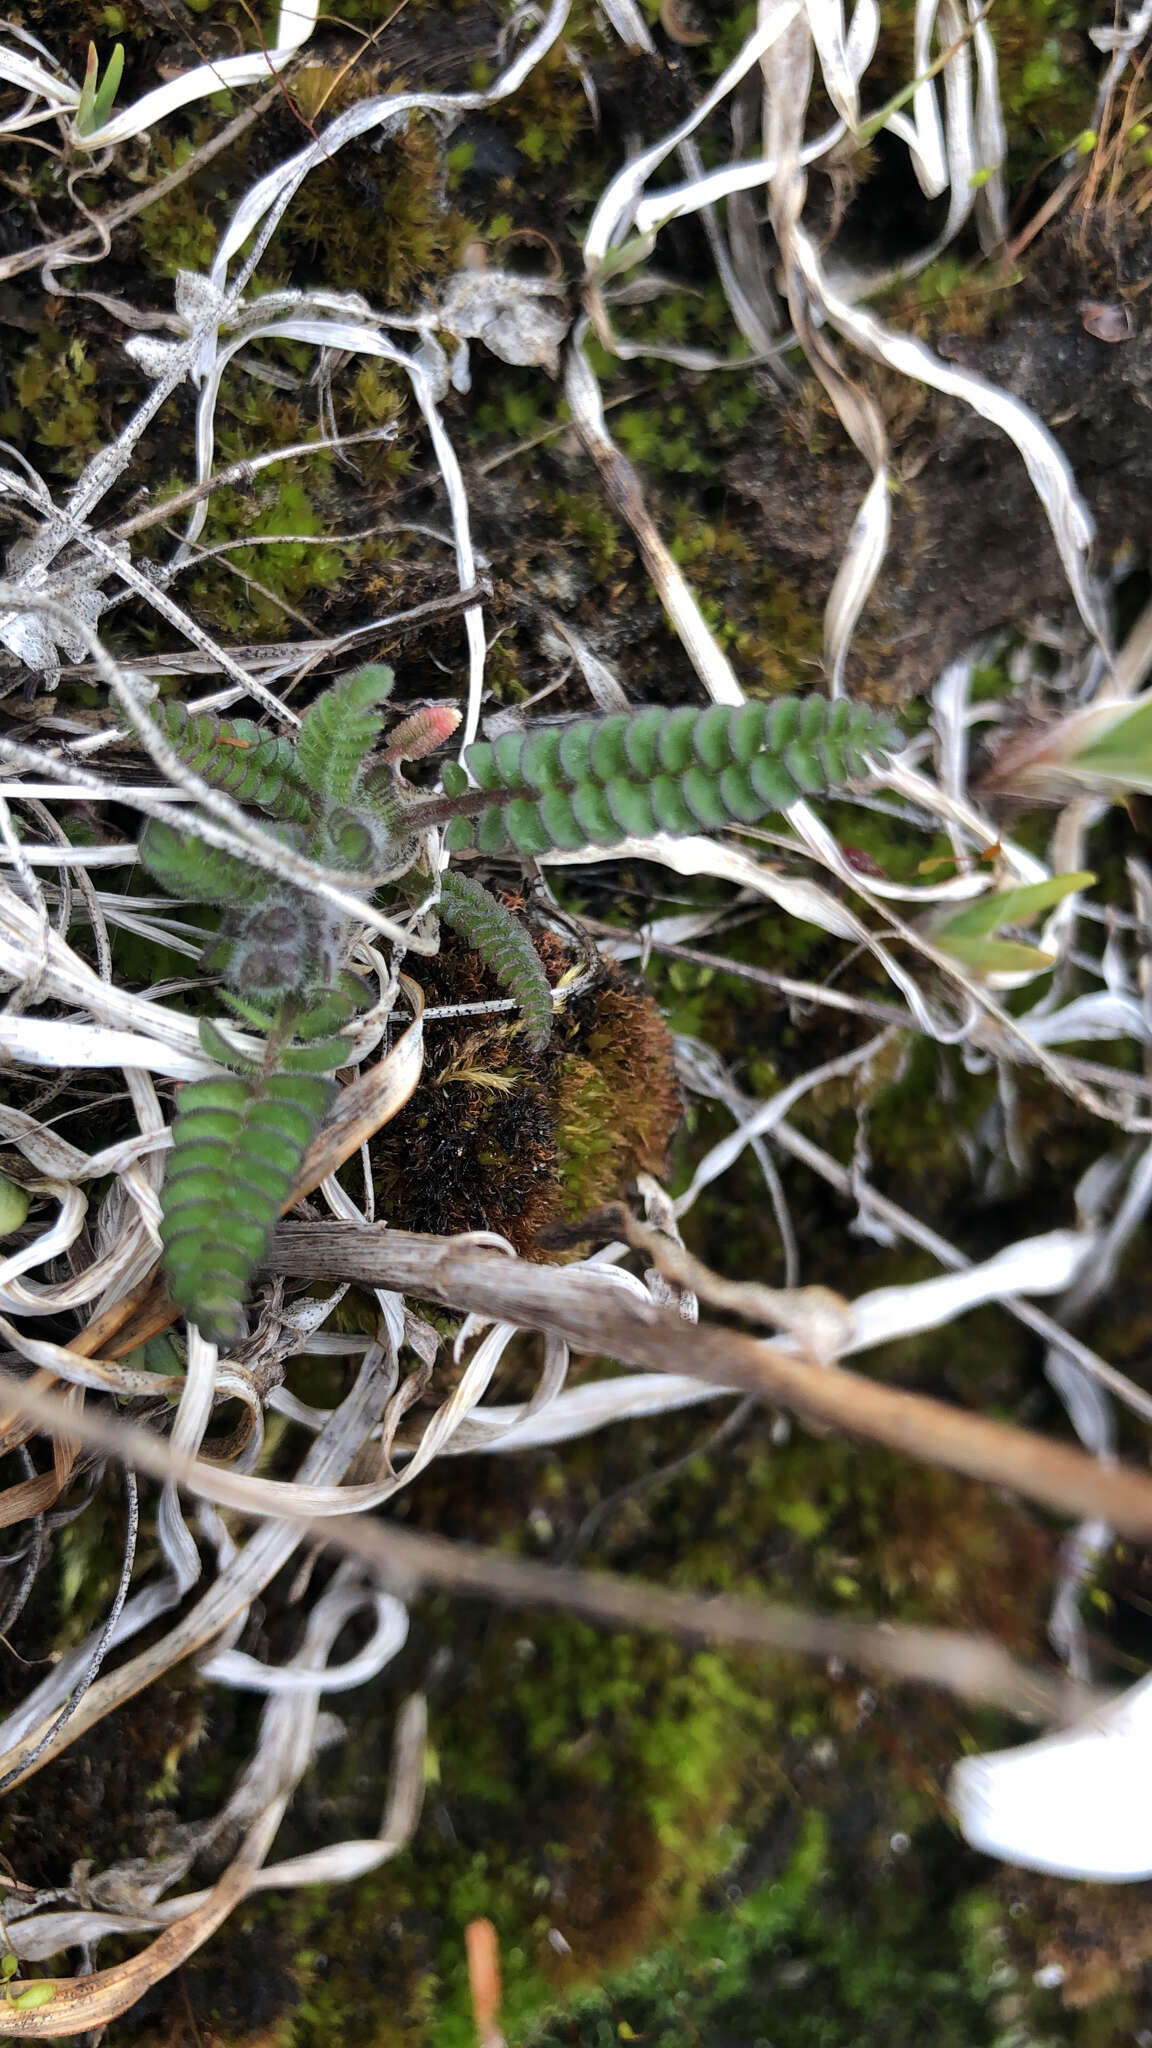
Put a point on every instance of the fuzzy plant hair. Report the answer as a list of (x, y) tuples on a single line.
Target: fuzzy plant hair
[(336, 794)]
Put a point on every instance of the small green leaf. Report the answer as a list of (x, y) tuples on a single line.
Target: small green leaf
[(575, 749), (560, 820), (481, 762), (540, 759), (996, 956), (642, 741), (631, 805), (506, 752), (771, 780), (220, 1048), (669, 808), (340, 730), (13, 1207), (675, 747), (593, 816), (525, 827), (96, 99), (1122, 755), (702, 795), (36, 1994), (1009, 906), (710, 736), (607, 756)]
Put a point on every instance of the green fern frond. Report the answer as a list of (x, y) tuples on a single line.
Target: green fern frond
[(235, 755), (505, 948), (188, 867), (340, 731), (236, 1146), (597, 781)]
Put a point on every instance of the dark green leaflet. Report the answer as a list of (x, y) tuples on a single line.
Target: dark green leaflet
[(340, 731), (236, 1145), (505, 948), (601, 780), (233, 754)]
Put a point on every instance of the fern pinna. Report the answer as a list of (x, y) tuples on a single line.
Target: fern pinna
[(597, 781), (336, 796), (236, 1144), (505, 948)]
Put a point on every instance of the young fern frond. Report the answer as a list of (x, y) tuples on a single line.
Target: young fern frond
[(339, 733), (235, 755), (505, 948), (597, 781), (190, 868)]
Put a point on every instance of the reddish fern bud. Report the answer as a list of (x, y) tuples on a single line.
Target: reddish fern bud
[(422, 733)]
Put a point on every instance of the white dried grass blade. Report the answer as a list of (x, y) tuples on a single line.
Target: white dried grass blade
[(1047, 465), (230, 1594), (1100, 1016), (799, 897), (615, 208), (486, 1429), (197, 1395), (31, 77), (674, 201), (52, 1243), (630, 1397), (859, 567), (822, 844), (1036, 1265), (43, 1934), (389, 1634), (922, 133), (585, 403), (991, 139), (629, 24), (363, 336), (49, 1042), (1078, 1804), (768, 1114), (843, 55), (297, 19)]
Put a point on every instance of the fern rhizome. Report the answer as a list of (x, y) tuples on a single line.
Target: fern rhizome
[(334, 794)]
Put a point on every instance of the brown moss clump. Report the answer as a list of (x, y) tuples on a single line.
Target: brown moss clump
[(499, 1138)]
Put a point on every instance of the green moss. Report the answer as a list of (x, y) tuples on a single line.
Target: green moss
[(60, 406), (374, 217), (795, 1956), (181, 231)]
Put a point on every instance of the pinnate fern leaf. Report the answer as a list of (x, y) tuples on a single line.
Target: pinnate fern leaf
[(236, 1146), (189, 867), (339, 732), (505, 948), (597, 781), (235, 755)]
